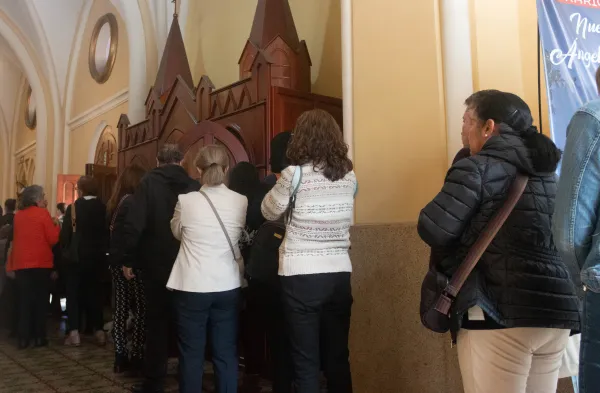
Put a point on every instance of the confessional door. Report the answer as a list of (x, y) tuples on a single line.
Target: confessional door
[(209, 133), (106, 177)]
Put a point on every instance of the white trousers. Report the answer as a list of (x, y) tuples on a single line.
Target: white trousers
[(519, 360)]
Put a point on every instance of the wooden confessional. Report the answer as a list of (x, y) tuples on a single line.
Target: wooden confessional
[(273, 90)]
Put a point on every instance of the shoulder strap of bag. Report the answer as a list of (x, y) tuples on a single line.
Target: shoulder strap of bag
[(220, 222), (482, 243), (74, 217), (114, 217), (295, 186)]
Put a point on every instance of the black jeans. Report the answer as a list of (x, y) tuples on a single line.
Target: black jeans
[(198, 314), (33, 287), (158, 329), (84, 293), (317, 311), (265, 311)]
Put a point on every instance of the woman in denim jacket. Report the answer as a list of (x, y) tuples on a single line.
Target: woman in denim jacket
[(577, 228)]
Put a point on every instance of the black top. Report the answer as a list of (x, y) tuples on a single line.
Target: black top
[(147, 238), (116, 251), (520, 280), (92, 229)]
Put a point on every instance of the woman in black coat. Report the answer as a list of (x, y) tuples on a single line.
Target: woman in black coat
[(126, 291), (513, 317)]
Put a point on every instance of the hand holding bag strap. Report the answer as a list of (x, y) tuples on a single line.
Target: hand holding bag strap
[(444, 303), (220, 222)]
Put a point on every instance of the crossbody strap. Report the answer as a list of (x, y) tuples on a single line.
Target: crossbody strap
[(485, 239), (220, 222), (73, 217), (114, 217)]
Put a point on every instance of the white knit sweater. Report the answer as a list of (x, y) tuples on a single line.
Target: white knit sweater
[(318, 237)]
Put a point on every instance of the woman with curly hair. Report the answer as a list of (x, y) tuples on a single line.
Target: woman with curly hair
[(314, 263)]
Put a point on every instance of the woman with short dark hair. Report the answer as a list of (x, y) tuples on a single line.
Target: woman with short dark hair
[(314, 262), (31, 259), (513, 316)]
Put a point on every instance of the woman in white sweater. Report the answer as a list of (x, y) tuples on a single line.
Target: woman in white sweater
[(314, 263), (207, 274)]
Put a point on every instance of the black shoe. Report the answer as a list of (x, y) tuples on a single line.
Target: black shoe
[(121, 364), (141, 388), (40, 342), (23, 344)]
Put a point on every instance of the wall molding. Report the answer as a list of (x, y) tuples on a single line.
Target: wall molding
[(99, 109), (28, 148)]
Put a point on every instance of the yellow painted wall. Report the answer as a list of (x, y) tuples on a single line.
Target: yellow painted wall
[(216, 32), (399, 132), (87, 92), (24, 136), (509, 63), (83, 137)]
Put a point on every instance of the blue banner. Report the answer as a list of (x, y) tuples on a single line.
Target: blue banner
[(570, 35)]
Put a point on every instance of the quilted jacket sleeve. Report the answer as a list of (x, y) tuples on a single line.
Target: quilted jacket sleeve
[(444, 219)]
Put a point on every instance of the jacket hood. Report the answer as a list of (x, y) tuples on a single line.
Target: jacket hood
[(512, 147), (174, 176)]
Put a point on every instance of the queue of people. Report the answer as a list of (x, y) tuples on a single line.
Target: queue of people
[(184, 253)]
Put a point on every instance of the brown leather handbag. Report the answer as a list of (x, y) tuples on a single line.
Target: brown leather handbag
[(438, 292)]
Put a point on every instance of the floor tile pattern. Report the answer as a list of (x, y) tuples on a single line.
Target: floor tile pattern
[(87, 368)]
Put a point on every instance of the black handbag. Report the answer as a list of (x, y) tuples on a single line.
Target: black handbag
[(438, 292), (70, 252)]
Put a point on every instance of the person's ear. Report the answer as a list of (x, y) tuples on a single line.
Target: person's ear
[(488, 128)]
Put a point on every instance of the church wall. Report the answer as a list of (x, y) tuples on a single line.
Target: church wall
[(85, 137), (216, 32), (510, 63), (87, 92), (24, 136)]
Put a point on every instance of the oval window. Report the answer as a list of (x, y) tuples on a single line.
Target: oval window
[(103, 48)]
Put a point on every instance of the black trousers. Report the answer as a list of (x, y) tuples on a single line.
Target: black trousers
[(317, 312), (159, 327), (34, 295), (265, 314), (84, 291)]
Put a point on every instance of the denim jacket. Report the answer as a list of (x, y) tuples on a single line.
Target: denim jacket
[(576, 224)]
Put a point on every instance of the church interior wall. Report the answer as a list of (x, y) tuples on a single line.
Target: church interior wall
[(23, 135), (88, 92), (85, 137)]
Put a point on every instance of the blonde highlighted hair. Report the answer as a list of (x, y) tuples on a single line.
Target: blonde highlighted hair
[(213, 162)]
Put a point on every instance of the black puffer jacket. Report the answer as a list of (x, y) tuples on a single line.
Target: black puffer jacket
[(520, 281)]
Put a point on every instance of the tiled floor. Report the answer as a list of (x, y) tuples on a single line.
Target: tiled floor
[(57, 368)]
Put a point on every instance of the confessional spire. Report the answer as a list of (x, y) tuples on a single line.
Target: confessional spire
[(174, 61), (273, 18)]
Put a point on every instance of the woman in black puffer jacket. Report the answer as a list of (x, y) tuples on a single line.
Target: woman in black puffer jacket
[(513, 316)]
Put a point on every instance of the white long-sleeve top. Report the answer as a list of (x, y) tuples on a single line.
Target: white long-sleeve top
[(317, 238), (205, 262)]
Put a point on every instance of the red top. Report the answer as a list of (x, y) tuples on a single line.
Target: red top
[(34, 235)]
